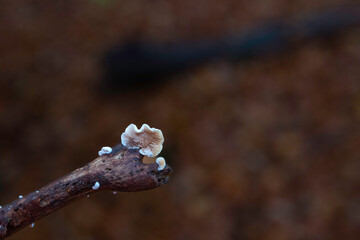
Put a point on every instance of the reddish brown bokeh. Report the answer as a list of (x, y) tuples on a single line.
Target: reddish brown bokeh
[(264, 149)]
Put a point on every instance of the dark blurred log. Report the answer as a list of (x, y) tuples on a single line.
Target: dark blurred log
[(140, 64), (122, 170)]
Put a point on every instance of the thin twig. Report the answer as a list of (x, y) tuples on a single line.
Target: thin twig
[(122, 170)]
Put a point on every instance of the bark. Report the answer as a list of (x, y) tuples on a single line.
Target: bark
[(122, 170)]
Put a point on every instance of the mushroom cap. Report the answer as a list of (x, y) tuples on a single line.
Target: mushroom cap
[(148, 140)]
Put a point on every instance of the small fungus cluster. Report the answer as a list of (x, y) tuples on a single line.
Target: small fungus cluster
[(148, 140)]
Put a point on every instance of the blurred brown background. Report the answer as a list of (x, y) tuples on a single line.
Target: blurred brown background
[(263, 149)]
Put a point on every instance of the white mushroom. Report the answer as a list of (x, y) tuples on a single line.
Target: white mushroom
[(148, 140), (105, 150), (96, 186), (161, 163)]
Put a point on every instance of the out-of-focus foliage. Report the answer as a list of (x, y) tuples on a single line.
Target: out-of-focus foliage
[(267, 149)]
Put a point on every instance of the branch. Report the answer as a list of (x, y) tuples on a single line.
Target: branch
[(122, 170), (140, 64)]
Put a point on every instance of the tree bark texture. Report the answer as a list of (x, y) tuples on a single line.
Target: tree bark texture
[(122, 170)]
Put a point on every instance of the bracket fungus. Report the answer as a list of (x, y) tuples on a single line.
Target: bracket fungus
[(105, 150), (148, 140), (96, 186), (161, 163)]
